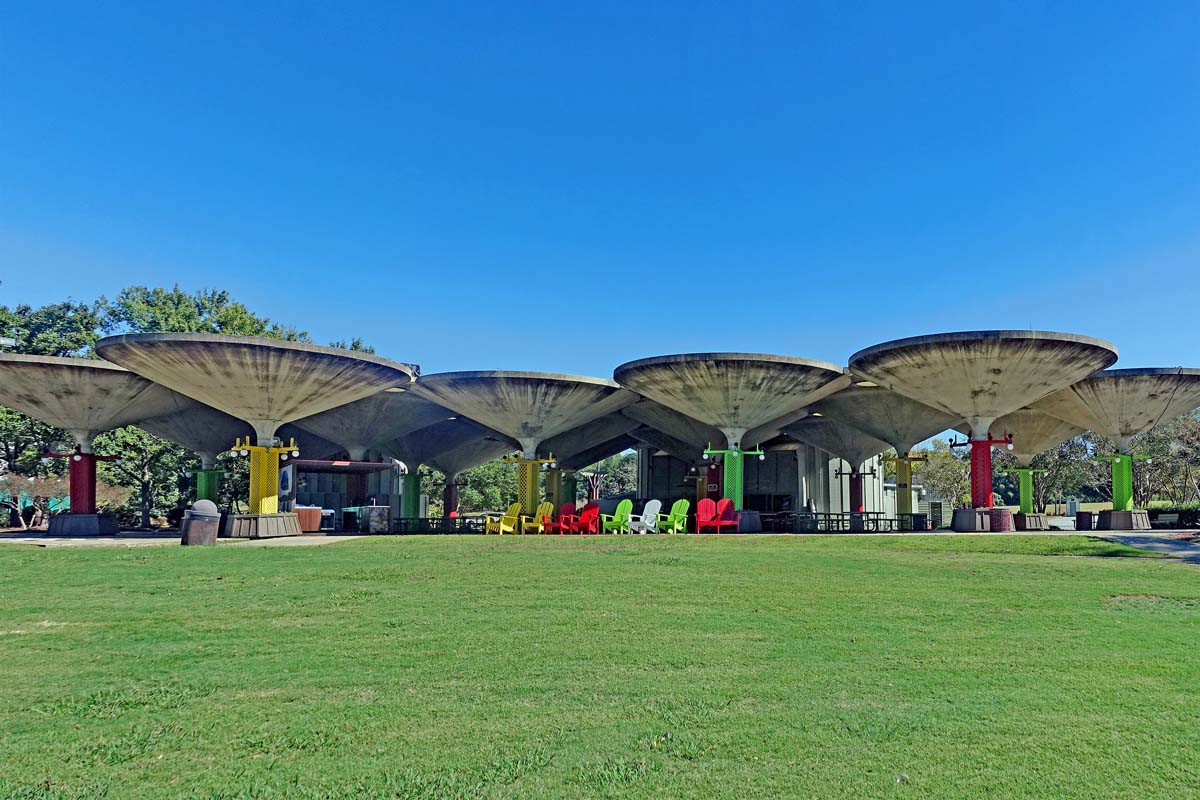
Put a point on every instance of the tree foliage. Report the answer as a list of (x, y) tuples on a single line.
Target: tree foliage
[(60, 329), (142, 309)]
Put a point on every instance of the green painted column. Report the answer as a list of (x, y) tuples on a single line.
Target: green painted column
[(733, 470), (1025, 487), (410, 493), (208, 484), (1122, 481), (570, 486)]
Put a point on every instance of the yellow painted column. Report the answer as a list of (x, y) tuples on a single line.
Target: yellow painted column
[(903, 485), (528, 491), (264, 480)]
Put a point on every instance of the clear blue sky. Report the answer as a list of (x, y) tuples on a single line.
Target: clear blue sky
[(638, 178)]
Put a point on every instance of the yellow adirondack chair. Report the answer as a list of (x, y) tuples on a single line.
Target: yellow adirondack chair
[(506, 523), (533, 524)]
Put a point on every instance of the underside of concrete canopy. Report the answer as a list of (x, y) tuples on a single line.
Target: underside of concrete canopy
[(379, 418), (1121, 403), (980, 376), (688, 452), (200, 428), (678, 426), (530, 407), (586, 436), (262, 381), (844, 441), (733, 392), (597, 452), (82, 396), (893, 418), (1033, 432), (475, 445)]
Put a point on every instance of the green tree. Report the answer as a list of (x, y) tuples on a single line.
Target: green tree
[(488, 487), (141, 309), (946, 473), (58, 329), (155, 469), (356, 344)]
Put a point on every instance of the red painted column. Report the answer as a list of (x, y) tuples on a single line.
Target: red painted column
[(450, 495), (82, 476), (856, 491), (981, 473)]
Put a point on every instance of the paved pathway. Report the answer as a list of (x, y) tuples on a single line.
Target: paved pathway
[(132, 539), (1188, 552)]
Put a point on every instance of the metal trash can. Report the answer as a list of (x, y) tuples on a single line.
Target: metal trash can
[(919, 522), (1083, 520), (200, 524)]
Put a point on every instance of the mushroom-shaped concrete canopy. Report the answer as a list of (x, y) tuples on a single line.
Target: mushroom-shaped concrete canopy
[(364, 423), (733, 392), (530, 407), (589, 435), (83, 396), (264, 382), (678, 426), (200, 428), (844, 441), (980, 376), (886, 415), (1121, 403), (689, 452), (482, 445), (1033, 432), (429, 444)]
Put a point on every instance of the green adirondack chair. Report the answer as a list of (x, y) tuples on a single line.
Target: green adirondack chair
[(618, 521), (676, 521)]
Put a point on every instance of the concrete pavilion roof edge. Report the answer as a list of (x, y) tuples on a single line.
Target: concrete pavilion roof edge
[(727, 356), (413, 370), (967, 336), (519, 374), (27, 358), (1134, 372)]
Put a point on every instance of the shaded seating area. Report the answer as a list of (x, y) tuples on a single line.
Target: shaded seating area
[(713, 517)]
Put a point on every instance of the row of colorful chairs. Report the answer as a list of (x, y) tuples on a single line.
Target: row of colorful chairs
[(710, 516)]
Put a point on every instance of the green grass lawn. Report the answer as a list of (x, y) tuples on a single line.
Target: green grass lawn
[(649, 667)]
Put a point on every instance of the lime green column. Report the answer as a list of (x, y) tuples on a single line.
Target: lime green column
[(734, 481)]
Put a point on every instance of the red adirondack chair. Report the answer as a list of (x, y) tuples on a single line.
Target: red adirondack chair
[(588, 519), (562, 524), (715, 516)]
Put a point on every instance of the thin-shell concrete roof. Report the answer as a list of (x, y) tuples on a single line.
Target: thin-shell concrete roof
[(364, 423), (982, 375), (446, 442), (83, 396), (530, 407), (1033, 432), (844, 441), (264, 382), (734, 392), (1120, 403), (886, 415), (200, 428)]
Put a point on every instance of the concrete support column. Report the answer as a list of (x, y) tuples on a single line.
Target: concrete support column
[(1122, 482), (528, 491), (450, 495), (856, 490), (903, 485), (208, 484), (410, 492), (981, 473), (1025, 486), (554, 493), (82, 478), (264, 480), (570, 486)]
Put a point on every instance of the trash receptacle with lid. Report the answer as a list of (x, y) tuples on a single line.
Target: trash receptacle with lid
[(1083, 521), (200, 523)]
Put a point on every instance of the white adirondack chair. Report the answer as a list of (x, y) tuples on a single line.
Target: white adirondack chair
[(647, 521)]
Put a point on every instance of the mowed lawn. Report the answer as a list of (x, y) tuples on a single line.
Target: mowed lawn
[(648, 667)]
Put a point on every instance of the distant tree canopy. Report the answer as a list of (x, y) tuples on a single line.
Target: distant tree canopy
[(141, 309)]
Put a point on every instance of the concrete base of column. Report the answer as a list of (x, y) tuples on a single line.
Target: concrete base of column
[(1031, 522), (83, 525), (1111, 520), (260, 526), (971, 520)]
